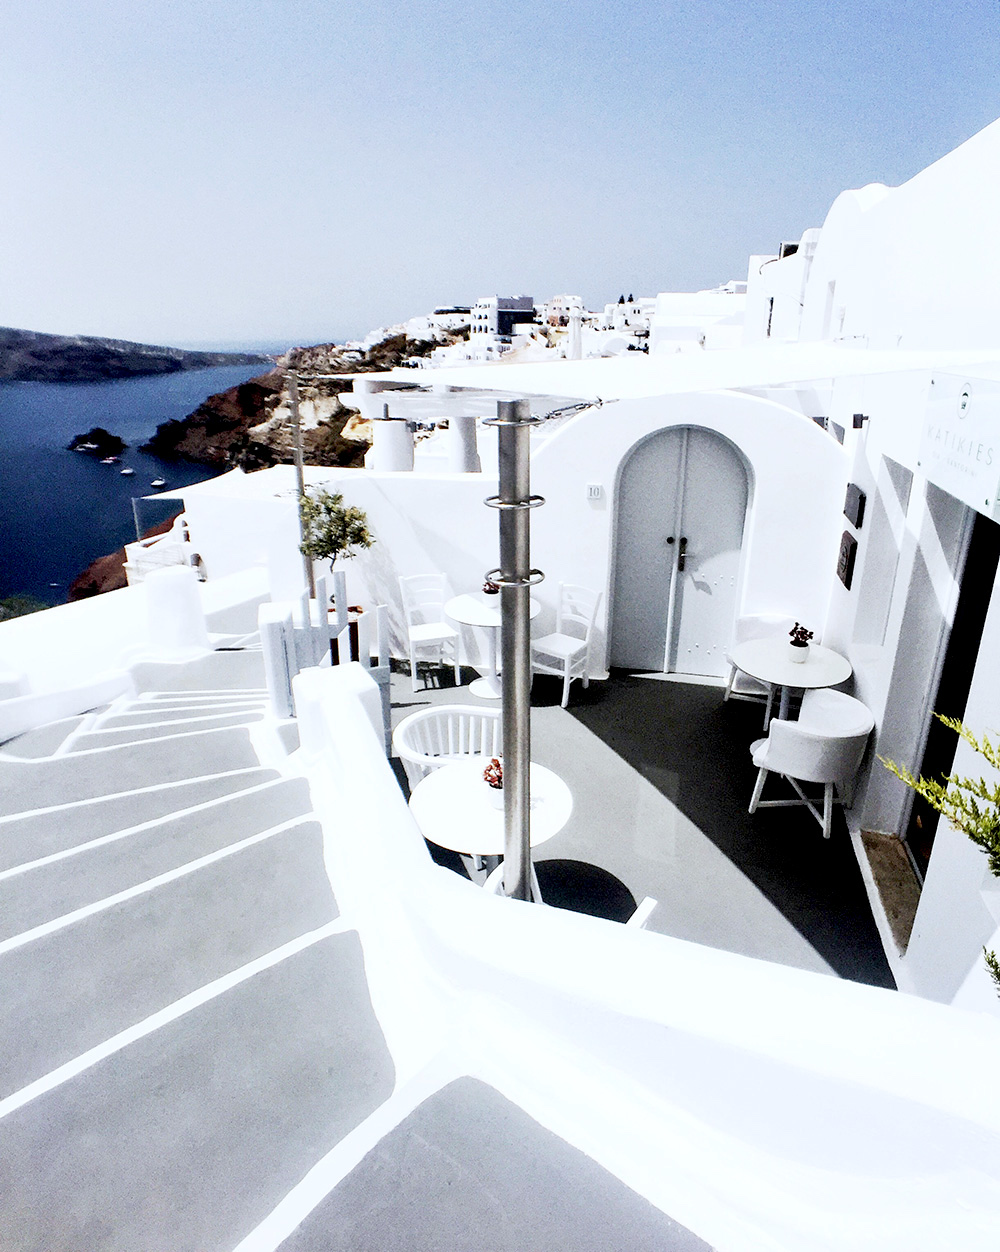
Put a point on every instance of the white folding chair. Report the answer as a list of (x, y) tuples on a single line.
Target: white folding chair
[(824, 746), (430, 738), (741, 686), (566, 652), (424, 597)]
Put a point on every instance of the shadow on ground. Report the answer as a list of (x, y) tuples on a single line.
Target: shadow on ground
[(695, 750)]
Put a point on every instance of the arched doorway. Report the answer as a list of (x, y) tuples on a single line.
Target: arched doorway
[(681, 510)]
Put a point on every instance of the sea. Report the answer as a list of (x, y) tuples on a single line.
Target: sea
[(60, 510)]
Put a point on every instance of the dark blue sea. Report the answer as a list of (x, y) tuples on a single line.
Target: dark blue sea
[(59, 510)]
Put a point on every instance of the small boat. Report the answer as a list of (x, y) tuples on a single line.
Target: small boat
[(85, 447), (109, 460), (158, 482), (127, 470)]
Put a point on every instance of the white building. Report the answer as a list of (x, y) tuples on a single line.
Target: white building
[(557, 311)]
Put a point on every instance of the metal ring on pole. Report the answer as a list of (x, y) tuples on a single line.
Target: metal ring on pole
[(504, 421), (532, 502), (496, 577)]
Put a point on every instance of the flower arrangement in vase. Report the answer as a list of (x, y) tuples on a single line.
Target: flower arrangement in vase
[(493, 777), (798, 647)]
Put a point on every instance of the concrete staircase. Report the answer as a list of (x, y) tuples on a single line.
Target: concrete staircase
[(187, 1026), (190, 1058)]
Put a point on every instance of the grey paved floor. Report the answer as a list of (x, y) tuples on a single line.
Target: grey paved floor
[(470, 1172), (661, 777), (187, 1139)]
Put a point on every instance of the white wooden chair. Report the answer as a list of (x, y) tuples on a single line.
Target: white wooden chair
[(824, 746), (430, 738), (424, 597), (741, 686), (566, 652)]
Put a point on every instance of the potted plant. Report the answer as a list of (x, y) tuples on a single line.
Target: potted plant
[(331, 529), (493, 777), (798, 647)]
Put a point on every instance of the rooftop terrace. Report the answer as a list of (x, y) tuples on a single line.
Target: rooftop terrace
[(661, 777)]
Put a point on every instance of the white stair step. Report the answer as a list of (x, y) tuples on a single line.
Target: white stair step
[(65, 991), (41, 742), (186, 1140), (138, 714), (101, 738), (38, 895), (42, 833), (28, 785), (217, 671)]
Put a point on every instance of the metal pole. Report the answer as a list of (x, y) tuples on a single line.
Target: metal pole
[(293, 395), (516, 577)]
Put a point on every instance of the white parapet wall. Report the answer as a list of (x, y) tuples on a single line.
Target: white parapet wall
[(71, 644), (762, 1106)]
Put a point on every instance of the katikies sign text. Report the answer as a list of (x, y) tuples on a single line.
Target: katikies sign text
[(960, 443)]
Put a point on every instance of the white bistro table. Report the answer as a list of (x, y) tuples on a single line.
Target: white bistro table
[(767, 660), (454, 809), (484, 611)]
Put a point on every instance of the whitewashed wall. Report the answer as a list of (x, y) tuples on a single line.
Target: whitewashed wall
[(438, 523), (917, 266), (891, 625)]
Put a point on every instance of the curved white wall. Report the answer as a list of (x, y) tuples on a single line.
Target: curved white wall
[(921, 268), (797, 480)]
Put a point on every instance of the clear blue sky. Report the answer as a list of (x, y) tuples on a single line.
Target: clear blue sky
[(185, 171)]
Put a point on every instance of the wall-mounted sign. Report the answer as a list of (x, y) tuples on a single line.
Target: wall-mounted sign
[(845, 561), (960, 442), (854, 506)]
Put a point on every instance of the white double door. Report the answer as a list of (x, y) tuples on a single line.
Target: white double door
[(682, 503)]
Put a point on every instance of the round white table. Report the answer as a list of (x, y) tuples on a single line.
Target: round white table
[(454, 809), (484, 611), (767, 660)]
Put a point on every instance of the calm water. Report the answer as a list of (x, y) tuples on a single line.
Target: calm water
[(59, 510)]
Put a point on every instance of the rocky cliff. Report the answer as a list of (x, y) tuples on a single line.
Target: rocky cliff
[(107, 573), (250, 425), (29, 356)]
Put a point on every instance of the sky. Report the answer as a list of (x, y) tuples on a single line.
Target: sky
[(198, 172)]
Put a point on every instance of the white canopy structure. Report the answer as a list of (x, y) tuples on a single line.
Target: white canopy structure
[(636, 376)]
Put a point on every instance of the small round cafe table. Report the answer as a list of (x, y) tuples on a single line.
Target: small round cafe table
[(484, 611), (454, 809), (767, 660)]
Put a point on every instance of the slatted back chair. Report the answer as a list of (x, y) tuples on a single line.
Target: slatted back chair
[(566, 652), (424, 597), (430, 738)]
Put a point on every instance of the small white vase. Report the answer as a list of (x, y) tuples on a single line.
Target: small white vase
[(798, 652), (496, 796)]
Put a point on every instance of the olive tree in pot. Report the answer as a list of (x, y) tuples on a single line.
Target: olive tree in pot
[(330, 528)]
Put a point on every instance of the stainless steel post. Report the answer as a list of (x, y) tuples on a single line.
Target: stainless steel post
[(515, 577), (293, 396)]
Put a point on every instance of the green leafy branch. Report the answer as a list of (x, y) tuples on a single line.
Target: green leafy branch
[(331, 529), (971, 805)]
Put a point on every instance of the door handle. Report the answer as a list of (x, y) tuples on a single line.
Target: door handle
[(682, 554)]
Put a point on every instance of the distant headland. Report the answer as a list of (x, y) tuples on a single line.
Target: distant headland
[(29, 356)]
